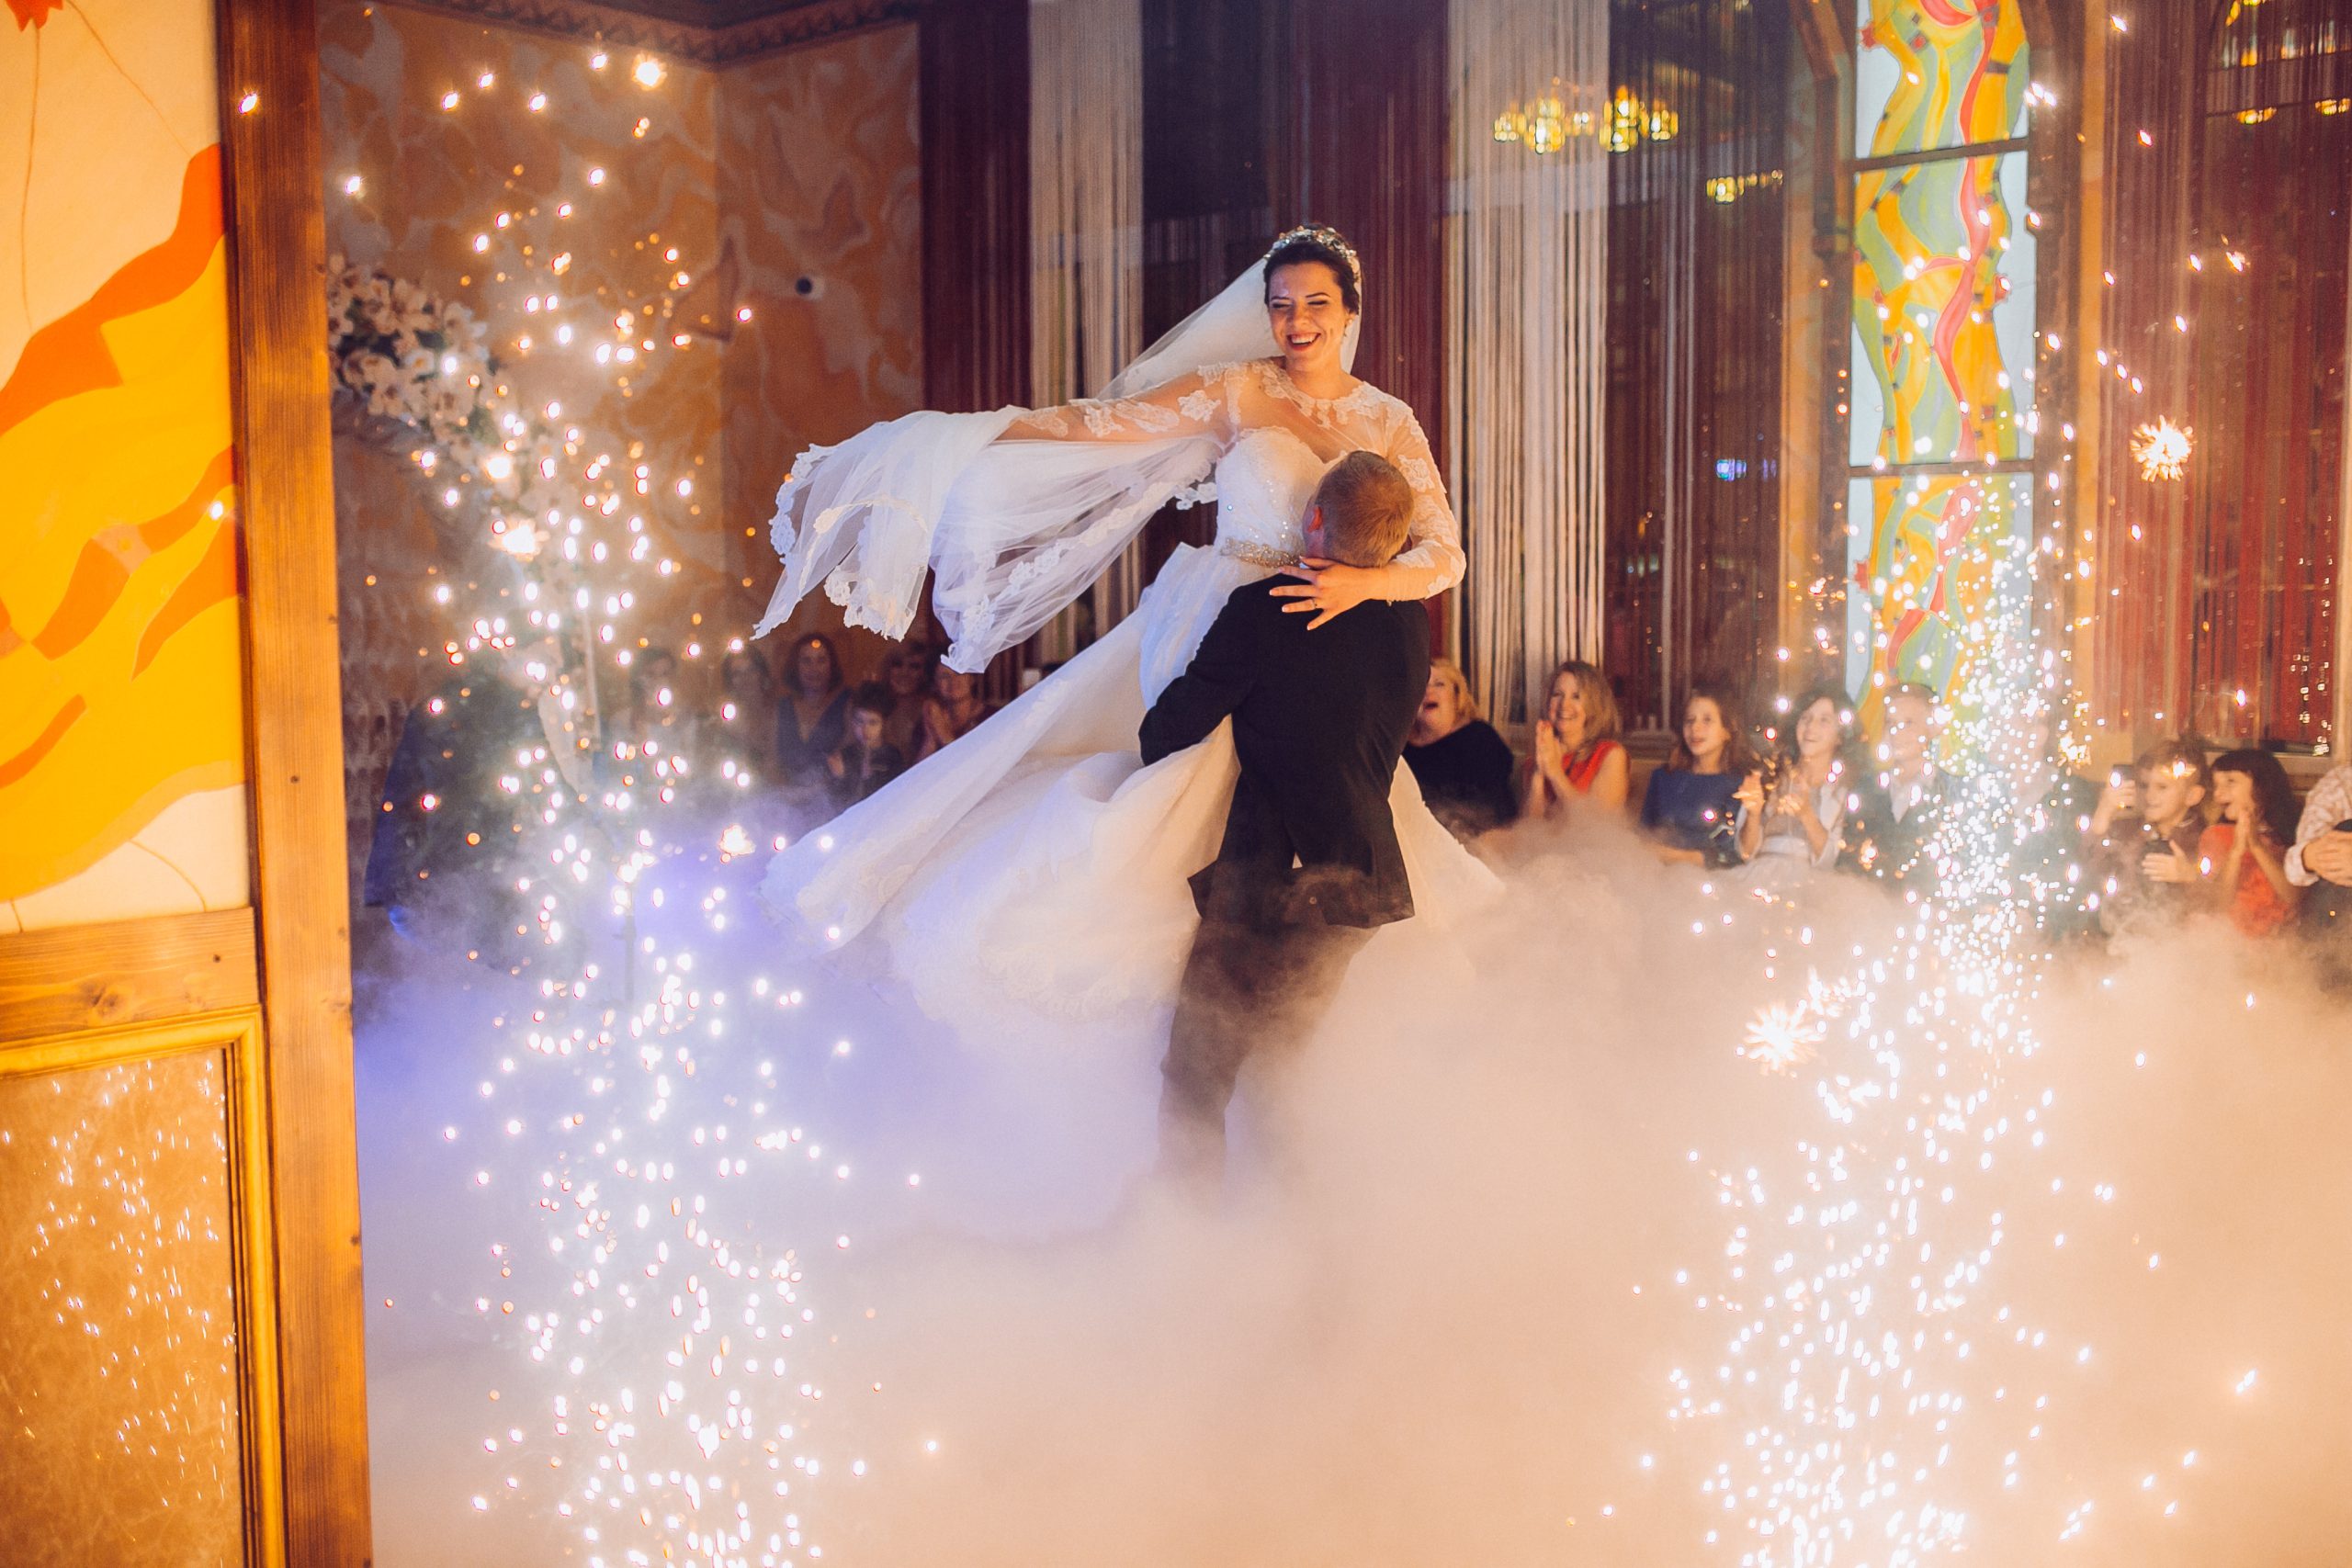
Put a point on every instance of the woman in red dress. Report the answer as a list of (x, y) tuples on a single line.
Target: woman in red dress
[(1578, 759)]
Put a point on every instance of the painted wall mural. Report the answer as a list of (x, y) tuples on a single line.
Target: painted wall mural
[(1943, 312), (121, 705)]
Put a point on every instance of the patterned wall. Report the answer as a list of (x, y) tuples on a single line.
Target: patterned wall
[(1943, 333), (431, 180), (121, 718), (817, 179), (800, 164)]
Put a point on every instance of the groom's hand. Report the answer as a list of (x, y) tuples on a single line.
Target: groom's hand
[(1328, 588)]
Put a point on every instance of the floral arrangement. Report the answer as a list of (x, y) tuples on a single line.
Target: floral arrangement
[(411, 357), (420, 369)]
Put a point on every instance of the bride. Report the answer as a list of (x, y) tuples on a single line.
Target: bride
[(1035, 868)]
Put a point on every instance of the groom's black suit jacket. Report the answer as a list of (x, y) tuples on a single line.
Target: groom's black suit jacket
[(1319, 720)]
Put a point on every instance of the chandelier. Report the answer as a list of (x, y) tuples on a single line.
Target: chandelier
[(1544, 123)]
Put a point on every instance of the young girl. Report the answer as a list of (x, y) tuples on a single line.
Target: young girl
[(1793, 824), (1577, 756), (2243, 855), (1689, 806)]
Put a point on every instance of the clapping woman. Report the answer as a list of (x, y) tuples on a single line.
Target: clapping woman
[(1579, 758)]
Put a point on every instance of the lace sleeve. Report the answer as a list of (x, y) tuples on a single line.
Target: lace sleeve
[(1436, 537), (1197, 403)]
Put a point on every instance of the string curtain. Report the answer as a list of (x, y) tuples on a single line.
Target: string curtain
[(1086, 236), (2213, 611), (1697, 258), (1527, 237)]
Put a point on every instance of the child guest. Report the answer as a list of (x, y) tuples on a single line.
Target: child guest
[(2244, 854), (1792, 811), (2145, 834), (1689, 806), (865, 762)]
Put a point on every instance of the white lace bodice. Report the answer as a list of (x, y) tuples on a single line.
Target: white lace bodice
[(1264, 482)]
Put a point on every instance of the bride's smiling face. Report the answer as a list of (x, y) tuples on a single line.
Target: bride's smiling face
[(1309, 316)]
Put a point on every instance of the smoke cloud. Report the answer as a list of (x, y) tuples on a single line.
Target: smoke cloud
[(1552, 1256)]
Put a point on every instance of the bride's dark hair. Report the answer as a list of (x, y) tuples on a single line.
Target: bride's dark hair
[(1316, 244)]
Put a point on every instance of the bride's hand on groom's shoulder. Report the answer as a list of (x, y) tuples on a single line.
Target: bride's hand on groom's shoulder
[(1326, 589)]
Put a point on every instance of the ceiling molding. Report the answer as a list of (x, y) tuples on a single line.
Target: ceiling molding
[(716, 33)]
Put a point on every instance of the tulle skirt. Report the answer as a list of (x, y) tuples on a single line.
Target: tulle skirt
[(1033, 876)]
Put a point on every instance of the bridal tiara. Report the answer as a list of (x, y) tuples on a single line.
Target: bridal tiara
[(1321, 233)]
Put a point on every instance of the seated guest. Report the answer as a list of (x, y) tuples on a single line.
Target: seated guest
[(1792, 810), (1577, 756), (953, 711), (2051, 807), (1463, 766), (1689, 808), (2320, 861), (746, 711), (1894, 821), (814, 713), (909, 671), (2144, 834), (446, 832), (2243, 855), (863, 761)]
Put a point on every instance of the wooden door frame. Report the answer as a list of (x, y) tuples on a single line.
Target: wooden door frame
[(275, 226)]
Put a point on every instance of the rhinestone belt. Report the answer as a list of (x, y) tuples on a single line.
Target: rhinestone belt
[(1258, 555)]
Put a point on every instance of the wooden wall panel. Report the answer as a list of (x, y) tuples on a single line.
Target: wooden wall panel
[(277, 305), (139, 1403), (126, 972)]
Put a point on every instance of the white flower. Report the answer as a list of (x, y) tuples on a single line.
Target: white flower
[(380, 379), (414, 304)]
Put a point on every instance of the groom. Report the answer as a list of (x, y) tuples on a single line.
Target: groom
[(1309, 866)]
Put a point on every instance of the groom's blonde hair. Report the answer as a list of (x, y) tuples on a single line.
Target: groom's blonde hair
[(1367, 509)]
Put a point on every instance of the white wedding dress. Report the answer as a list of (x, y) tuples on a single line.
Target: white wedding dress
[(1036, 871)]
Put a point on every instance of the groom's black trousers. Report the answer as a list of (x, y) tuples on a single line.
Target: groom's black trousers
[(1245, 986)]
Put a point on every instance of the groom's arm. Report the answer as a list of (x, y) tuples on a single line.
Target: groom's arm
[(1212, 686)]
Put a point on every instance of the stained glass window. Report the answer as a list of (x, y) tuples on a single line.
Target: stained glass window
[(1941, 429)]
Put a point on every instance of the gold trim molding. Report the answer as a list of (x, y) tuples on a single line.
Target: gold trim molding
[(812, 22)]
